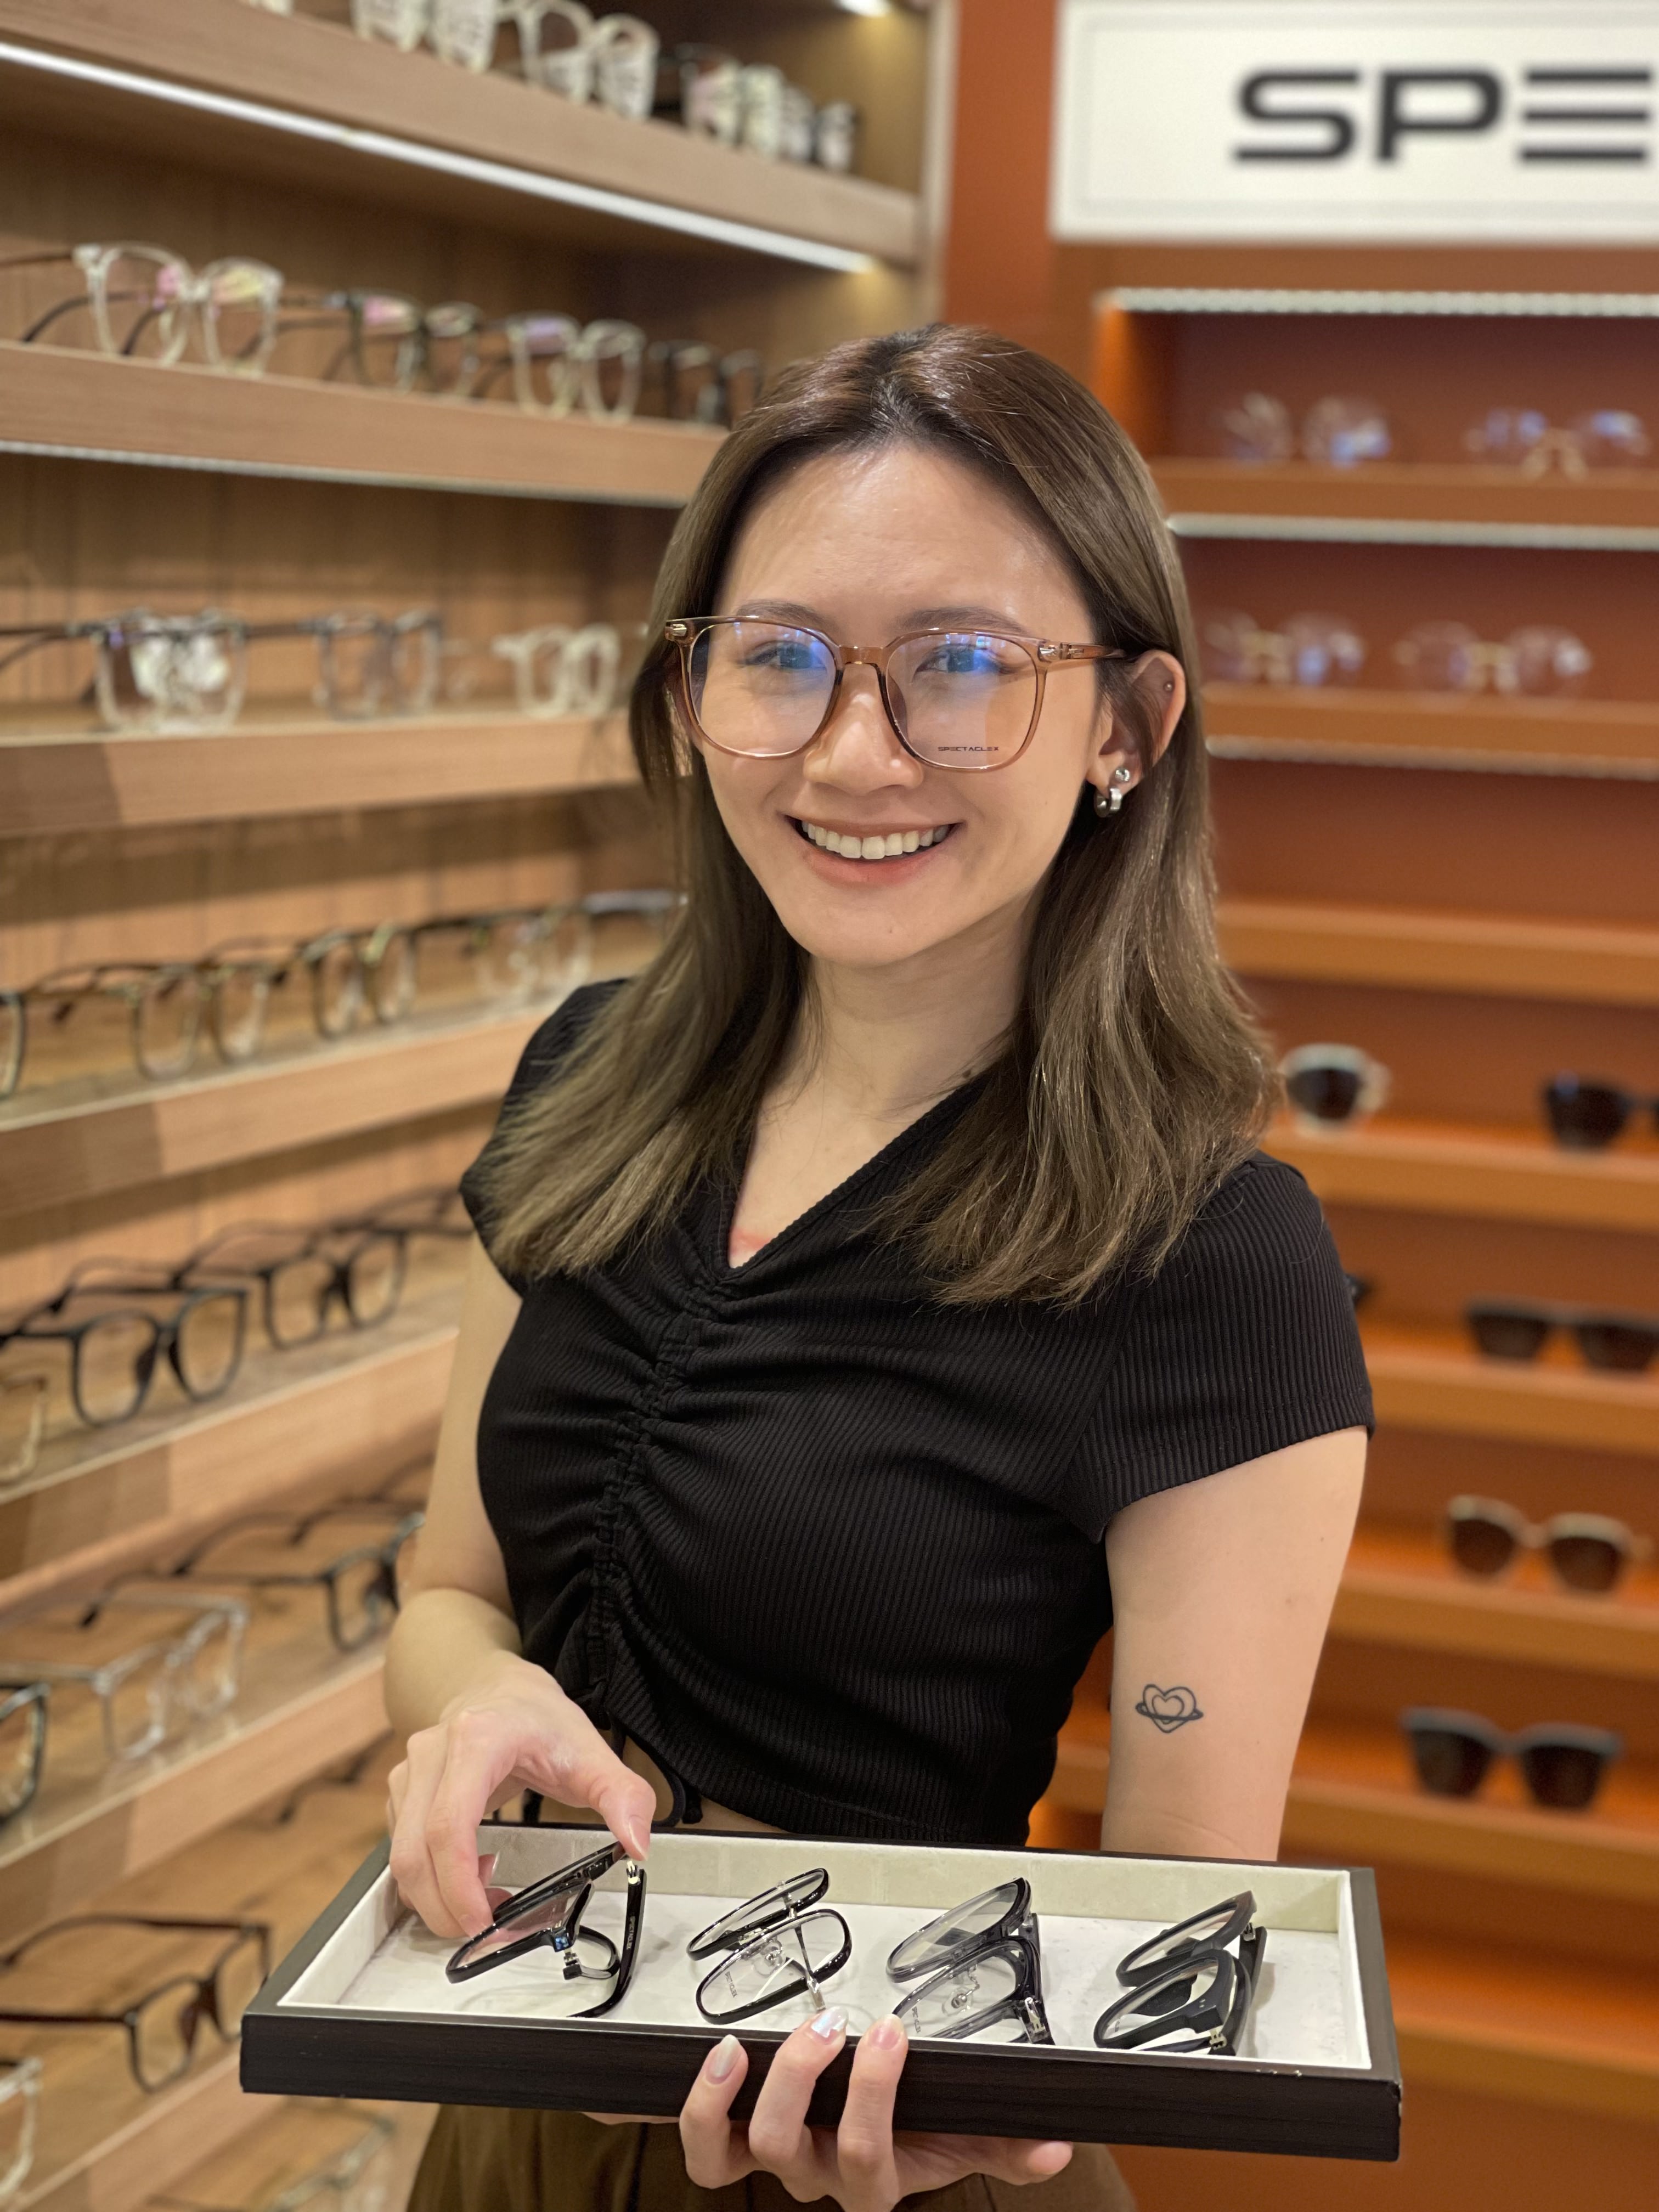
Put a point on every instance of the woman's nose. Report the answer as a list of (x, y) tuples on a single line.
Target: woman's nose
[(860, 749)]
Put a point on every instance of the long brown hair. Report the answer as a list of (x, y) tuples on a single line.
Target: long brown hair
[(1131, 1081)]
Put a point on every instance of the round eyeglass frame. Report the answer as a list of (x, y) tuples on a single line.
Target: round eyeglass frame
[(1045, 655)]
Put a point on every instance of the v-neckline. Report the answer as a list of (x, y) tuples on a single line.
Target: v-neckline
[(724, 1273)]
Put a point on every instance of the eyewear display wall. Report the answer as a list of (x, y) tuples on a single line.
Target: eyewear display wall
[(1345, 432), (1536, 660)]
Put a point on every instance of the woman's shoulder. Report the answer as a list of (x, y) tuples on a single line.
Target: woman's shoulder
[(1262, 1214), (548, 1047)]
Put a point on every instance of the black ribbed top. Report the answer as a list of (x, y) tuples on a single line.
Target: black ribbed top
[(832, 1550)]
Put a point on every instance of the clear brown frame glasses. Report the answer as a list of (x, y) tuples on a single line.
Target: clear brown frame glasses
[(796, 702)]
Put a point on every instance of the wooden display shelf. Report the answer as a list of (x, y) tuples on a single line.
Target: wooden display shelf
[(137, 1137), (1354, 1801), (1400, 1588), (1409, 502), (1431, 1380), (52, 783), (175, 2130), (488, 141), (368, 1397), (1503, 1174), (82, 406), (1328, 724), (1589, 963), (301, 1705)]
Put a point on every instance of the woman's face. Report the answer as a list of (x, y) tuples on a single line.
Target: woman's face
[(865, 546)]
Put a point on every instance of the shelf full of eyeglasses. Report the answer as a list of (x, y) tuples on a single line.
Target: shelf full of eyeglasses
[(119, 2115), (1401, 1588), (1329, 723), (1433, 1379), (92, 406), (302, 99), (1410, 503), (1587, 962)]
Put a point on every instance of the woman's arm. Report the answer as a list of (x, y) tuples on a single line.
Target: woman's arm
[(1221, 1593), (481, 1722)]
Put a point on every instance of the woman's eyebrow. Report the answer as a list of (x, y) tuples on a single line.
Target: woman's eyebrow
[(791, 611)]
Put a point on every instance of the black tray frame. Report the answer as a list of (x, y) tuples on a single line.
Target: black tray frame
[(608, 2066)]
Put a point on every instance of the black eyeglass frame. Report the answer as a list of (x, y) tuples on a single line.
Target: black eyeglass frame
[(33, 1697), (381, 1598), (164, 1334), (579, 1877), (1214, 2017), (768, 1908), (809, 1980), (1012, 1936)]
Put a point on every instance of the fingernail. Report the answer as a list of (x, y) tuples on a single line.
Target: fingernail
[(722, 2058), (887, 2031), (831, 2023), (1049, 2157)]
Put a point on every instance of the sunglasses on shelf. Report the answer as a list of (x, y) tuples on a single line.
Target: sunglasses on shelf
[(982, 1965), (1586, 1551), (1625, 1344), (1585, 1116), (1189, 1988), (162, 2026), (547, 1915), (1561, 1764), (1329, 1084)]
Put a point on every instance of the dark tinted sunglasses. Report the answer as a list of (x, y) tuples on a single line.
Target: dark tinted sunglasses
[(1625, 1344), (1584, 1117), (1586, 1551), (1561, 1765)]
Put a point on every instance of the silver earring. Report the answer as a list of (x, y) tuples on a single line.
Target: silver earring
[(1109, 802)]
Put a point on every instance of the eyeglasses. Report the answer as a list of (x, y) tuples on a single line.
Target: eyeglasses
[(1525, 438), (1305, 648), (559, 670), (983, 1964), (150, 1690), (304, 1276), (370, 665), (1561, 1765), (1188, 1991), (1337, 433), (115, 1355), (22, 1423), (1536, 660), (956, 699), (356, 2177), (1585, 1116), (162, 2026), (146, 303), (1333, 1083), (558, 364), (690, 381), (23, 1751), (1516, 1329), (547, 1915), (158, 673), (776, 1946), (1586, 1551), (19, 2116), (359, 1585), (388, 341)]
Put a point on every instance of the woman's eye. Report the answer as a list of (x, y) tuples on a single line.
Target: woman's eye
[(963, 657)]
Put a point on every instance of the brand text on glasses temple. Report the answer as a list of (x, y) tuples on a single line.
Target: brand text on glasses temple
[(1561, 113)]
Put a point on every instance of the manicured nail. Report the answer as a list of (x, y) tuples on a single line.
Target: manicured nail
[(722, 2058), (1048, 2158), (887, 2031), (830, 2023)]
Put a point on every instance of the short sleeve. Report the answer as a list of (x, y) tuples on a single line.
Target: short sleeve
[(1243, 1343), (545, 1053)]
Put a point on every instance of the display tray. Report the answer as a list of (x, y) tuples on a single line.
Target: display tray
[(362, 2007)]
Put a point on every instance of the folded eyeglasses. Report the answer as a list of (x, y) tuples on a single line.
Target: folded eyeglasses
[(1189, 1990), (547, 1915), (777, 1947)]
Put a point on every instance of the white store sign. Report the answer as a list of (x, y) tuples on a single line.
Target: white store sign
[(1445, 119)]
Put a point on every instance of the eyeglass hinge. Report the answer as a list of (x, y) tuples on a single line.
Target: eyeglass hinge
[(1048, 652), (680, 630)]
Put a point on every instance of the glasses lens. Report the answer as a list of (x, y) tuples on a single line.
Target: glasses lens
[(1232, 650), (543, 368), (1449, 1762), (298, 1305), (1340, 433), (942, 1939), (240, 311), (388, 339), (1154, 1959), (164, 2033), (562, 1910), (964, 699), (450, 357), (210, 1342), (1479, 1544), (22, 1422), (1629, 1347), (241, 995), (355, 657), (564, 950), (20, 2092), (781, 1964), (11, 1041), (690, 382), (140, 1705), (779, 1903), (337, 984), (611, 357), (391, 977), (1329, 1094), (1585, 1116), (1611, 437), (1321, 649), (760, 687), (112, 1366), (215, 1667), (1442, 657), (1565, 1775), (21, 1732), (414, 651), (362, 1601), (1586, 1563), (1546, 661), (237, 1982), (955, 2001), (143, 304), (168, 1018), (1508, 1332), (1257, 428), (374, 1278)]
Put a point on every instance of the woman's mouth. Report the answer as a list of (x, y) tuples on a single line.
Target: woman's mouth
[(884, 845)]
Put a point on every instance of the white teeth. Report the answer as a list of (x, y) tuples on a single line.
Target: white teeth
[(887, 847), (912, 839), (893, 844)]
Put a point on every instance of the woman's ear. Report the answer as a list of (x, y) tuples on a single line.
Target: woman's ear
[(1124, 759)]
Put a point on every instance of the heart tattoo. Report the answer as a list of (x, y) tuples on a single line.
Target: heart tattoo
[(1169, 1710)]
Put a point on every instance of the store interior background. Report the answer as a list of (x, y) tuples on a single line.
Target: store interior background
[(1476, 927)]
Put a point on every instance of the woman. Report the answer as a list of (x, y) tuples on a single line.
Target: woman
[(881, 1295)]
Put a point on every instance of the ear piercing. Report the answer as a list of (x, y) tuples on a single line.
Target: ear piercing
[(1109, 802)]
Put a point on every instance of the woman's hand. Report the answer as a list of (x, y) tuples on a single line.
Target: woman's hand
[(510, 1729), (861, 2164)]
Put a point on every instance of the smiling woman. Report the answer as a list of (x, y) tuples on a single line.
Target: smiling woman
[(879, 1295)]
